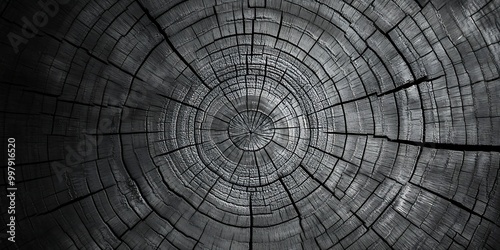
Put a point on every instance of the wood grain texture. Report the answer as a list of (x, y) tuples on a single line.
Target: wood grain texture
[(259, 124)]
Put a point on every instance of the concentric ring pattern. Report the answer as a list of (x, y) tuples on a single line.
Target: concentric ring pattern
[(256, 124)]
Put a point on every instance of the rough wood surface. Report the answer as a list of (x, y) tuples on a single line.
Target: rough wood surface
[(256, 124)]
